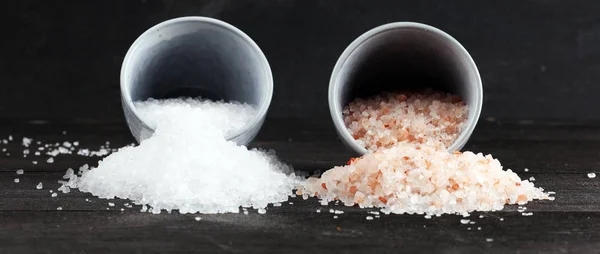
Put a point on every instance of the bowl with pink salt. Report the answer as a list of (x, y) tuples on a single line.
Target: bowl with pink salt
[(405, 82)]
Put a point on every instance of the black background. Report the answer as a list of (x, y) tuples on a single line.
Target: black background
[(539, 59)]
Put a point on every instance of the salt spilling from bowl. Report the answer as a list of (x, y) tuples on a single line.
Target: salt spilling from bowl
[(409, 169), (412, 178), (188, 165)]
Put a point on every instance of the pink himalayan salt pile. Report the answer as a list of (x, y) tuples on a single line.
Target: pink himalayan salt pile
[(388, 119), (413, 178)]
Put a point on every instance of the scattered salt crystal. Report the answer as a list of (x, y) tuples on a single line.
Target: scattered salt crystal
[(10, 138), (39, 186), (162, 171), (291, 203), (5, 141), (481, 216), (111, 204), (67, 144), (76, 143), (551, 198), (472, 222), (50, 160), (339, 212), (59, 208), (34, 162), (501, 219), (318, 210), (122, 209), (531, 179), (527, 214), (551, 192), (464, 221), (144, 209), (469, 228), (86, 200), (64, 132), (3, 149), (262, 210), (20, 171), (489, 240), (478, 228), (369, 218), (331, 211), (526, 170), (25, 151), (335, 216), (50, 191), (54, 194), (37, 153), (26, 142), (246, 212), (197, 218), (16, 180), (377, 216), (276, 204), (591, 175)]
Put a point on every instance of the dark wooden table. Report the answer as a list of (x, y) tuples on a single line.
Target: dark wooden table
[(559, 156)]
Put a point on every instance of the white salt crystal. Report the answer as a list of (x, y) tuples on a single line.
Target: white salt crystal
[(54, 195), (318, 210), (16, 180), (591, 175), (489, 240), (76, 143), (3, 149), (526, 170), (335, 216), (20, 171), (197, 218), (67, 144), (39, 186), (246, 212), (64, 132), (276, 204), (26, 142), (527, 214), (531, 179), (291, 203), (5, 141), (37, 153), (34, 162), (122, 209), (10, 138), (478, 228), (331, 211), (59, 208), (111, 204), (369, 218), (26, 151), (338, 212), (50, 160), (501, 219), (163, 171), (262, 210)]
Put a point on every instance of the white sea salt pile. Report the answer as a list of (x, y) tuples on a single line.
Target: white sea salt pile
[(412, 178), (388, 119), (188, 165)]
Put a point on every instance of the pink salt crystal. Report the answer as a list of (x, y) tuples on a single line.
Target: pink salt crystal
[(388, 119), (413, 178)]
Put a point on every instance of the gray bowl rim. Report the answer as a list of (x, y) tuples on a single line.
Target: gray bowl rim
[(268, 91), (335, 110)]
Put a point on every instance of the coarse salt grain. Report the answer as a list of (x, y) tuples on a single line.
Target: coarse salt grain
[(50, 160), (391, 118), (262, 210), (188, 165), (20, 171), (412, 178), (369, 218), (197, 218), (54, 195), (39, 186), (16, 180), (591, 175)]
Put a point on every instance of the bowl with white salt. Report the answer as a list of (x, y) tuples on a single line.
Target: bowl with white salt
[(196, 57), (405, 81)]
